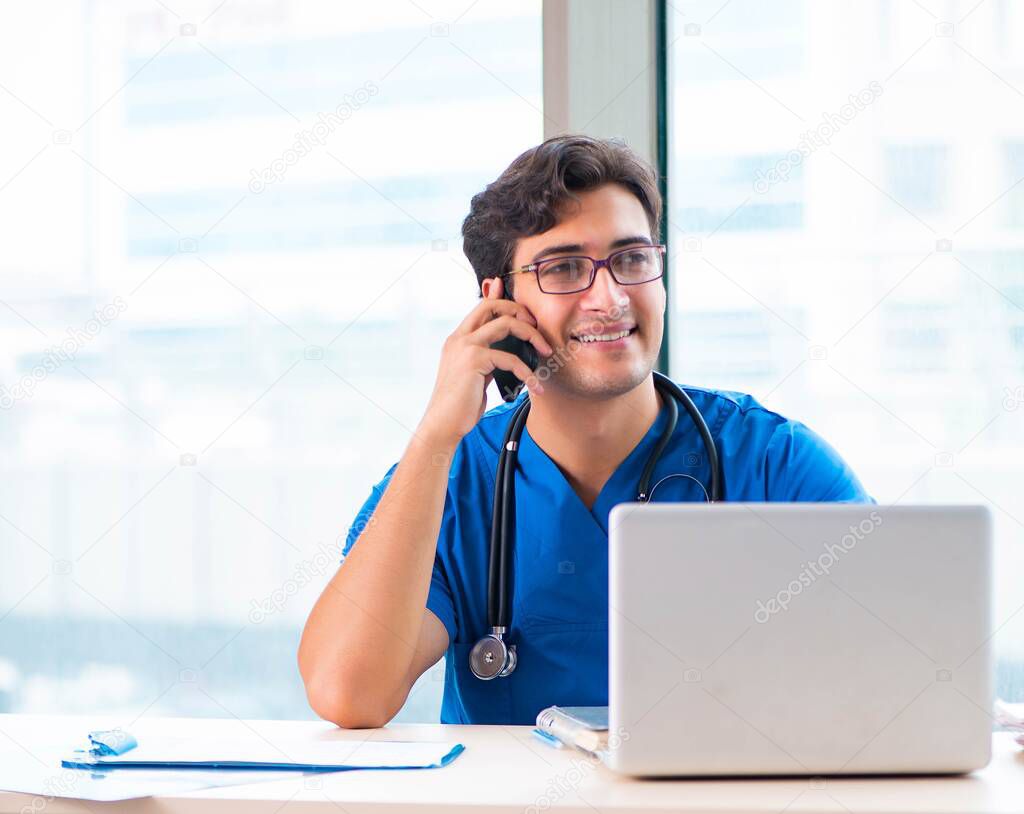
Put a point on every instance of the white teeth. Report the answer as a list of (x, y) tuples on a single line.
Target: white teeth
[(603, 337)]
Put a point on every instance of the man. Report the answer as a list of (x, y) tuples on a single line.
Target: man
[(414, 589)]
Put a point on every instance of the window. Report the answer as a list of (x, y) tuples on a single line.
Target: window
[(844, 242), (916, 176), (231, 255), (1014, 153)]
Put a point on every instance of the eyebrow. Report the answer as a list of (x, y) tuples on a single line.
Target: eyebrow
[(569, 248)]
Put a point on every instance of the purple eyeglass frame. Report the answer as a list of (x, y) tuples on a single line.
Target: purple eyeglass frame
[(597, 264)]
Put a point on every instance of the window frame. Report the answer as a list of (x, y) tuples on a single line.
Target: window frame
[(588, 46)]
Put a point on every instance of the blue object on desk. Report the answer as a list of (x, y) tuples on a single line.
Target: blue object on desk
[(109, 752), (107, 742), (550, 740)]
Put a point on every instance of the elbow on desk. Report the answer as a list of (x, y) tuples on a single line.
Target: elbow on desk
[(353, 717), (342, 703)]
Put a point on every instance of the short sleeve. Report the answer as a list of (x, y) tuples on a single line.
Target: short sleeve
[(439, 597), (800, 465)]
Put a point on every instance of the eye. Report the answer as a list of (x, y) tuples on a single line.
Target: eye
[(562, 268)]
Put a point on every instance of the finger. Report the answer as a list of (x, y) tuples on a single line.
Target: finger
[(497, 289), (490, 308), (527, 314), (484, 310), (513, 364), (501, 327)]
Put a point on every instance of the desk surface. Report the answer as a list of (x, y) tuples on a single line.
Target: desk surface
[(504, 769)]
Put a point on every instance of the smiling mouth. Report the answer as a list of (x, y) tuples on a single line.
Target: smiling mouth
[(606, 337)]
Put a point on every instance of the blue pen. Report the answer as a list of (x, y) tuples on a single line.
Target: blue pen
[(550, 740)]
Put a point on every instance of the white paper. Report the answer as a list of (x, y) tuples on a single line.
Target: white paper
[(27, 776), (1008, 718)]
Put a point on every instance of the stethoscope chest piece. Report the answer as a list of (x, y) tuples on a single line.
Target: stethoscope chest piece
[(491, 657)]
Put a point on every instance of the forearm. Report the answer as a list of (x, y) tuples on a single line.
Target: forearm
[(361, 637), (359, 648)]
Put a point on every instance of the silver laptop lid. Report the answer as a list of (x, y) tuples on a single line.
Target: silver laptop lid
[(785, 638)]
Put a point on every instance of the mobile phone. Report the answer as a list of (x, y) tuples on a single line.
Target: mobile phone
[(509, 385)]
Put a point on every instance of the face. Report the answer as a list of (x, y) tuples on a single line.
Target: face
[(600, 368)]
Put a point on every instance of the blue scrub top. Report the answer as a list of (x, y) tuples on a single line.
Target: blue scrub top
[(560, 594)]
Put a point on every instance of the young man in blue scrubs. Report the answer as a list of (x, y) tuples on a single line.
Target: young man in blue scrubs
[(413, 586)]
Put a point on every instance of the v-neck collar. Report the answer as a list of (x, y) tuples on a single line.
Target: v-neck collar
[(620, 486)]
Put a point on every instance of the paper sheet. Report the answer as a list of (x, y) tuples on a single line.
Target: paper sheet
[(28, 776), (1006, 717)]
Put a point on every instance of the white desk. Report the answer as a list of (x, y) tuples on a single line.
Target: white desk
[(505, 769)]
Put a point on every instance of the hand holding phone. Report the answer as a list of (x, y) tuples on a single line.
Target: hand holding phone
[(498, 337), (509, 384)]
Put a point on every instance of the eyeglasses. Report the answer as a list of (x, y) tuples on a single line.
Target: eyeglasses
[(569, 275)]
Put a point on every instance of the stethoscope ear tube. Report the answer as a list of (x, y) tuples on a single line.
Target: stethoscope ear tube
[(494, 552), (491, 657), (498, 563), (508, 509), (643, 489), (669, 387)]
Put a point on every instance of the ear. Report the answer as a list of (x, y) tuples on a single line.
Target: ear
[(492, 287)]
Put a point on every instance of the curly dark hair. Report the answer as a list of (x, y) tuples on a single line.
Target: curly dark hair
[(526, 197)]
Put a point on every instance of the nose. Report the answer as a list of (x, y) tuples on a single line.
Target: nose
[(605, 294)]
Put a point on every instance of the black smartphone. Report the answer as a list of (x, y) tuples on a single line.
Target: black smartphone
[(508, 383)]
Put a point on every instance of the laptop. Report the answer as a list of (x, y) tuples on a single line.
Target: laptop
[(799, 639)]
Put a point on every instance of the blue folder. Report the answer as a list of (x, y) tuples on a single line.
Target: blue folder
[(118, 749)]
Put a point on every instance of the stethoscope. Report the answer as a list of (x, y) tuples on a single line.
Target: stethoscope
[(492, 657)]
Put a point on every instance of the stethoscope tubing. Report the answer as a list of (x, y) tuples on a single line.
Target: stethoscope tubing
[(499, 564)]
